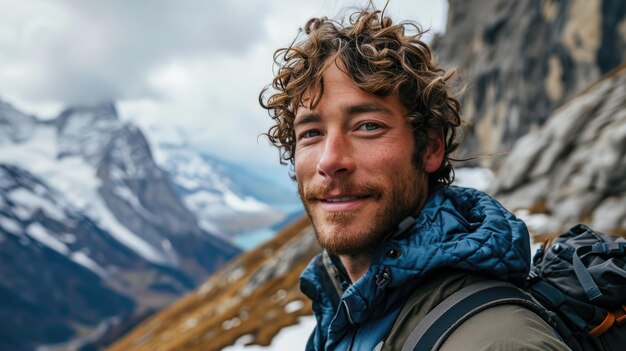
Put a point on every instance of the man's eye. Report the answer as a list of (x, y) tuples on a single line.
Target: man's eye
[(369, 126), (310, 134)]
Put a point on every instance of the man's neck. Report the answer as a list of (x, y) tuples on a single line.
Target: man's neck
[(356, 266)]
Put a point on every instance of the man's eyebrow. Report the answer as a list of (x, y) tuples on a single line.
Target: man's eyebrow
[(310, 117), (367, 107)]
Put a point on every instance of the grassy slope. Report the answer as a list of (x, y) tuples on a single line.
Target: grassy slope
[(247, 297)]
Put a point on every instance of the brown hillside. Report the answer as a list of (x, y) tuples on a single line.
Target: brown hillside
[(247, 297)]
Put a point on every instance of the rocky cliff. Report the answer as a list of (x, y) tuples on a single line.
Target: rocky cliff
[(522, 59), (573, 169)]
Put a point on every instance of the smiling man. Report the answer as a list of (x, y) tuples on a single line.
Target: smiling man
[(365, 116), (353, 162)]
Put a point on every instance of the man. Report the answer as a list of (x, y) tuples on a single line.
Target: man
[(365, 117)]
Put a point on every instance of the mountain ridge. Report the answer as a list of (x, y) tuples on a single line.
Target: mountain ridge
[(523, 59), (84, 191)]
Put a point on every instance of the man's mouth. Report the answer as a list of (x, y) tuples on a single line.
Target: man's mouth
[(343, 203), (344, 199)]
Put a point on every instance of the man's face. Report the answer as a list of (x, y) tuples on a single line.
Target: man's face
[(353, 164)]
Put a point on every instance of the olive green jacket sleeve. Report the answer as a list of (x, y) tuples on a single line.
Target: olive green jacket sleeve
[(505, 327)]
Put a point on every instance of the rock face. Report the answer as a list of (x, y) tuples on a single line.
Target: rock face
[(254, 296), (522, 59), (573, 169)]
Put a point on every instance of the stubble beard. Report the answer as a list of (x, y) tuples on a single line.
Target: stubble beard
[(402, 200)]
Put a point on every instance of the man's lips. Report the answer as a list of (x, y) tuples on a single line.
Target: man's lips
[(343, 199), (343, 203)]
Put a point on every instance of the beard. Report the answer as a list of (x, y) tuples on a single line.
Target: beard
[(393, 204)]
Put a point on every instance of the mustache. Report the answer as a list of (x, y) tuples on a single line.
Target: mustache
[(315, 192)]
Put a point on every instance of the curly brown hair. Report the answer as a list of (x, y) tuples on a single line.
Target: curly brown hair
[(382, 58)]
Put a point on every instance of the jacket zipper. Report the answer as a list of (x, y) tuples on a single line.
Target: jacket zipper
[(354, 327), (350, 345)]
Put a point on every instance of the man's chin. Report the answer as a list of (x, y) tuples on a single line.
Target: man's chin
[(339, 240)]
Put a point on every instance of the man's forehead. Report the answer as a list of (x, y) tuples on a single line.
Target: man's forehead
[(339, 90), (333, 71)]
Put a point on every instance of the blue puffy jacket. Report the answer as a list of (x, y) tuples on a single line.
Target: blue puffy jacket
[(458, 228)]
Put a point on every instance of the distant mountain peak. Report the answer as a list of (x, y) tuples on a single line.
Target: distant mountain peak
[(87, 114), (14, 125), (105, 109), (86, 130)]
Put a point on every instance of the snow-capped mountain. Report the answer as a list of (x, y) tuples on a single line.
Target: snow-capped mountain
[(226, 198), (55, 265), (91, 229), (14, 125)]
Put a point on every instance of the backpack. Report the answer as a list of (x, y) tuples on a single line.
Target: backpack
[(577, 284)]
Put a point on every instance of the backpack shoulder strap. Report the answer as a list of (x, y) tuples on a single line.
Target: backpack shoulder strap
[(441, 321)]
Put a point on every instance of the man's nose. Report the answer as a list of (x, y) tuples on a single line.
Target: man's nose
[(336, 159)]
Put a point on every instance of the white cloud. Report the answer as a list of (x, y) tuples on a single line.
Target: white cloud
[(77, 51)]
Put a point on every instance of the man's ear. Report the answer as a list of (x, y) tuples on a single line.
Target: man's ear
[(434, 152)]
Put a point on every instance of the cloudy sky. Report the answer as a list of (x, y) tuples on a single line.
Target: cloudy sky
[(194, 67)]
